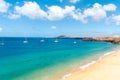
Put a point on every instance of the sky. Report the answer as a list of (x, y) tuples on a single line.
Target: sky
[(48, 18)]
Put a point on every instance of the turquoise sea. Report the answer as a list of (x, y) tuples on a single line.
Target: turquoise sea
[(47, 60)]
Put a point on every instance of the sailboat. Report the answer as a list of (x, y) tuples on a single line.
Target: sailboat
[(25, 41), (42, 40), (74, 42), (2, 43), (56, 41), (54, 28)]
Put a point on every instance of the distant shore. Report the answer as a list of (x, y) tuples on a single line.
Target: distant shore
[(111, 39), (106, 68)]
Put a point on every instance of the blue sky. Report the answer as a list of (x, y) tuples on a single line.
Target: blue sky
[(36, 18)]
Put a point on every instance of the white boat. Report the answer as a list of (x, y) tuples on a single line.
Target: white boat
[(56, 41), (74, 42), (25, 41), (42, 40), (2, 43)]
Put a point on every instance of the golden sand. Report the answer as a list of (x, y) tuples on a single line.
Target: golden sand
[(108, 68)]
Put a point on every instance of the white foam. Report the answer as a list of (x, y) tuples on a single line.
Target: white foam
[(100, 57), (66, 76), (106, 54), (109, 53), (93, 62), (87, 65)]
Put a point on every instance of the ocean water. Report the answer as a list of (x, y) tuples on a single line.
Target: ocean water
[(47, 60)]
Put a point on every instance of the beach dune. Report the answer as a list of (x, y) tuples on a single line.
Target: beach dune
[(107, 68)]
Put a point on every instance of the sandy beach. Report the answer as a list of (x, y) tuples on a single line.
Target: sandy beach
[(107, 68)]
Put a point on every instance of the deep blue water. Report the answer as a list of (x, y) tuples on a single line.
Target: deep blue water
[(18, 59)]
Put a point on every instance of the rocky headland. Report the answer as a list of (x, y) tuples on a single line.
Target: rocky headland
[(111, 39)]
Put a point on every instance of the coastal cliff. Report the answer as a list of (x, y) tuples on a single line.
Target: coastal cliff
[(111, 39)]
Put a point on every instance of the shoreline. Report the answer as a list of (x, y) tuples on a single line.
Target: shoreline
[(88, 67)]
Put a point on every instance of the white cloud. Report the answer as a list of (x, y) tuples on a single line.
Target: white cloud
[(69, 9), (58, 13), (98, 12), (116, 19), (113, 19), (55, 13), (71, 1), (14, 16), (77, 15), (61, 0), (109, 7), (4, 6), (1, 29), (74, 1), (53, 27), (31, 10)]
